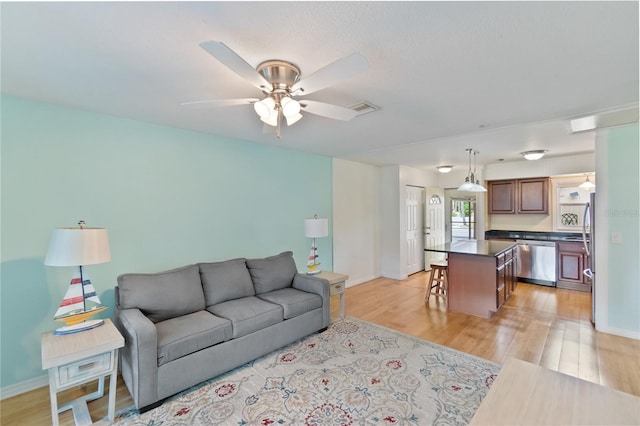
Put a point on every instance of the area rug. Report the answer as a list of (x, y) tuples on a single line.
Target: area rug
[(355, 373)]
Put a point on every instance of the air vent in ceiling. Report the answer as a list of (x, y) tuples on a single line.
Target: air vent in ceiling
[(364, 108)]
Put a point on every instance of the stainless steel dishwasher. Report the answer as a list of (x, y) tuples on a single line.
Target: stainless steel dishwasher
[(537, 262)]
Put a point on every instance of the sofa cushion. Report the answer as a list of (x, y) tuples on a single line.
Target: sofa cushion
[(248, 314), (190, 333), (294, 302), (222, 281), (272, 273), (163, 295)]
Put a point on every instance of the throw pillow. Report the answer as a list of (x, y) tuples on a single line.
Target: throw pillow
[(224, 281), (163, 295), (272, 273)]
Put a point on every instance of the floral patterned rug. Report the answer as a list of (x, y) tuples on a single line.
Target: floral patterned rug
[(354, 373)]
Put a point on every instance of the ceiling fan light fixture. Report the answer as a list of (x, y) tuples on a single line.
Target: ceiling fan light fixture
[(271, 119), (534, 155), (290, 107), (265, 107), (293, 119), (444, 169)]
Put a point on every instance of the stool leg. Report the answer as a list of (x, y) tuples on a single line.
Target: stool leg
[(446, 288), (429, 284)]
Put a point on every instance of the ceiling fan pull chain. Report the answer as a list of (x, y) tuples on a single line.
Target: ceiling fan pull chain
[(279, 120)]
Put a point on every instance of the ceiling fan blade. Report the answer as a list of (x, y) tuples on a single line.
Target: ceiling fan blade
[(214, 103), (328, 110), (331, 74), (235, 63)]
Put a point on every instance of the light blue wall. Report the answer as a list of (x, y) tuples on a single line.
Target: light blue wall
[(623, 212), (168, 197)]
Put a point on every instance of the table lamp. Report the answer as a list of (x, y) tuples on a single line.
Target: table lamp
[(315, 228), (78, 247)]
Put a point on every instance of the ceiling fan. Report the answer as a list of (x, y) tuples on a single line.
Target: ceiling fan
[(280, 82)]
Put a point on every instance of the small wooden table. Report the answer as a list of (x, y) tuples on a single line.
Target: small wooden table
[(79, 358), (336, 285), (527, 394)]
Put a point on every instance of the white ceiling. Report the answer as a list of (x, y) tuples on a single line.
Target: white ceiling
[(500, 77)]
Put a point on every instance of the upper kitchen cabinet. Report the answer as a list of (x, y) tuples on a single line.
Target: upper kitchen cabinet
[(502, 196), (521, 196), (533, 195)]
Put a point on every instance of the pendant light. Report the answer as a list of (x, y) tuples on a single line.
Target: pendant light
[(471, 184), (587, 184)]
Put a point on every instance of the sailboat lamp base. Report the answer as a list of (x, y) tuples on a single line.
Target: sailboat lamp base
[(76, 328)]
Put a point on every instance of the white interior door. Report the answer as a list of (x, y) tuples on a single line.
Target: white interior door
[(434, 224), (415, 236)]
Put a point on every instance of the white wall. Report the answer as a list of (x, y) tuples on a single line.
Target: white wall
[(356, 249), (389, 221), (396, 179), (582, 163), (368, 219)]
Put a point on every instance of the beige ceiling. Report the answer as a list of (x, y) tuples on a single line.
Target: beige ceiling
[(501, 77)]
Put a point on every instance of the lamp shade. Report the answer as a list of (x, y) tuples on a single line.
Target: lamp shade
[(78, 246), (290, 107), (264, 107), (316, 227)]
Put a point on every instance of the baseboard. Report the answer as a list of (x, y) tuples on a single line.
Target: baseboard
[(619, 332), (22, 387), (358, 281)]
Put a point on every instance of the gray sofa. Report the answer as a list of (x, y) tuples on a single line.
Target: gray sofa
[(187, 325)]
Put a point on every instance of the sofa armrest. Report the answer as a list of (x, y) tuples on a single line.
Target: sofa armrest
[(139, 356), (316, 285)]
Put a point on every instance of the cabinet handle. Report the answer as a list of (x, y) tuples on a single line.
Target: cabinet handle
[(86, 366)]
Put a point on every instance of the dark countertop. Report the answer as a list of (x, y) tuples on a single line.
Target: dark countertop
[(475, 247), (534, 235)]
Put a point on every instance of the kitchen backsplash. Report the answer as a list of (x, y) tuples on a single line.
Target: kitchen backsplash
[(520, 222)]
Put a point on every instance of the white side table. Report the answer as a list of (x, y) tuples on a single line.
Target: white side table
[(75, 359), (336, 285)]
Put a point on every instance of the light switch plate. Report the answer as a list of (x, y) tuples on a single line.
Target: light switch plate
[(616, 238)]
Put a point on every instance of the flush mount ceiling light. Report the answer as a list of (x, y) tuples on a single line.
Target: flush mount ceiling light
[(444, 169), (587, 184), (471, 184), (280, 82), (534, 155)]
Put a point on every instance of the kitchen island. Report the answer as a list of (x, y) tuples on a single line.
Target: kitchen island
[(481, 275)]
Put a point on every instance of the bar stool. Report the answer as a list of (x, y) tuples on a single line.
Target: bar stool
[(438, 281)]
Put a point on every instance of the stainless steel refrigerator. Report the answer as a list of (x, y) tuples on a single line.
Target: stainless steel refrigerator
[(589, 241)]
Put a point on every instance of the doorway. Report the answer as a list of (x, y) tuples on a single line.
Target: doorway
[(415, 233), (435, 232), (463, 218)]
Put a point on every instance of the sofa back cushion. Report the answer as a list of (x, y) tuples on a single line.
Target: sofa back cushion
[(272, 273), (222, 281), (163, 295)]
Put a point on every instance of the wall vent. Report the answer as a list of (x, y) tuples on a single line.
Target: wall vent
[(364, 108)]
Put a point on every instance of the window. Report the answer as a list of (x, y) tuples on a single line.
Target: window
[(463, 218)]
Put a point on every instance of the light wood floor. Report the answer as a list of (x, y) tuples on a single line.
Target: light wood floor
[(542, 325)]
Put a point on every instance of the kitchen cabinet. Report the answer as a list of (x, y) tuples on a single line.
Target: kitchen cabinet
[(572, 260), (519, 196), (506, 276), (533, 195), (502, 196), (481, 275)]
